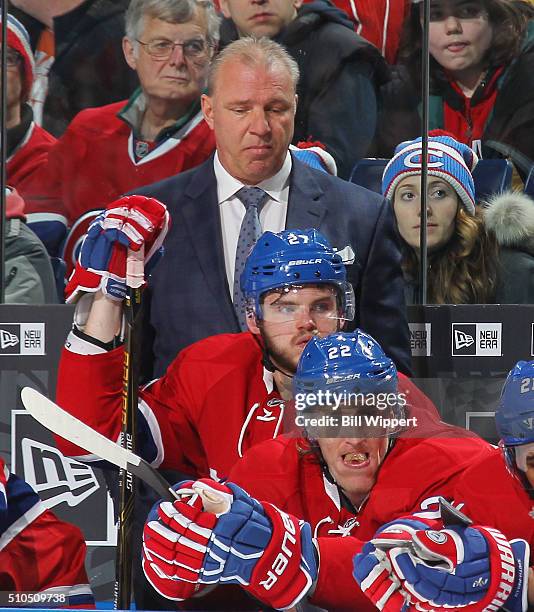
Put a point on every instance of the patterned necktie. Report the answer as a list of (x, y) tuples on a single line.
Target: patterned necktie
[(253, 199)]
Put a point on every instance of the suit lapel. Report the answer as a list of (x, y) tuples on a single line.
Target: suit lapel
[(203, 222), (307, 204)]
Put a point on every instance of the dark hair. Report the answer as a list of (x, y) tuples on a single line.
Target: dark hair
[(509, 20), (465, 270)]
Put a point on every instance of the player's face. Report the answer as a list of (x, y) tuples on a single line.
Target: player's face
[(260, 17), (460, 36), (354, 463), (525, 461), (252, 113), (292, 318), (442, 206), (178, 78)]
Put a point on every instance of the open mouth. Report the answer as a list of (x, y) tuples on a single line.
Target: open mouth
[(355, 460)]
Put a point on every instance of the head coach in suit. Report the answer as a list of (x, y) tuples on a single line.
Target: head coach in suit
[(250, 105)]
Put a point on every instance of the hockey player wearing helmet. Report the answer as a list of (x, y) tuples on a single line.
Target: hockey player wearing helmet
[(223, 394), (515, 423), (363, 485), (295, 287)]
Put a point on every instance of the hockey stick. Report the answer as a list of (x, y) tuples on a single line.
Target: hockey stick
[(63, 424), (123, 559)]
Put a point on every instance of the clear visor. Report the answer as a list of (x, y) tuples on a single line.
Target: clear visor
[(319, 303)]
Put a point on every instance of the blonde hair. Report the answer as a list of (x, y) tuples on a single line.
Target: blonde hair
[(252, 51), (465, 270)]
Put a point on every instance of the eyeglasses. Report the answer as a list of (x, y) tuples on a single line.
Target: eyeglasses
[(467, 11), (162, 49), (13, 58)]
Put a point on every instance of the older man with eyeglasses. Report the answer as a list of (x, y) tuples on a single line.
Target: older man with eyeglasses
[(159, 131)]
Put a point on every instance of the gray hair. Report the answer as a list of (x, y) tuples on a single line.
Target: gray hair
[(254, 52), (173, 11)]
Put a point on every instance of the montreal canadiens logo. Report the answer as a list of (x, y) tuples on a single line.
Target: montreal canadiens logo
[(437, 537)]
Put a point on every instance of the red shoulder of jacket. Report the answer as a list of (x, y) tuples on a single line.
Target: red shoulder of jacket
[(100, 120), (41, 136)]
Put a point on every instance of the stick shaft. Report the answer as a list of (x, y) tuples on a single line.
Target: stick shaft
[(123, 565)]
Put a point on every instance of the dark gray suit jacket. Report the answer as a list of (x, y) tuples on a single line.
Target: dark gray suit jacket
[(188, 295)]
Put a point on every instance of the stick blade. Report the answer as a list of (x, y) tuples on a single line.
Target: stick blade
[(60, 422)]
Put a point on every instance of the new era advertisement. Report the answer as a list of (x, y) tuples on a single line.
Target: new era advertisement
[(22, 339), (477, 339)]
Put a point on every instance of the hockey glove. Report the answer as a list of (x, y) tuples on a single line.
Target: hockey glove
[(131, 222), (416, 564), (268, 552)]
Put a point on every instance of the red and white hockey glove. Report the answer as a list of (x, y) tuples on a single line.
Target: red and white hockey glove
[(132, 222), (268, 552), (413, 564)]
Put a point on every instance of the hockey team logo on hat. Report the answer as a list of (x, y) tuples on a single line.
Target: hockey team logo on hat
[(476, 339)]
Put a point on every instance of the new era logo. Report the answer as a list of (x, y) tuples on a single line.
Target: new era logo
[(462, 340), (7, 339), (55, 477), (22, 339), (476, 339), (421, 339)]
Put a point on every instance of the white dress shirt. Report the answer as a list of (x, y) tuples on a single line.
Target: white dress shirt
[(232, 210)]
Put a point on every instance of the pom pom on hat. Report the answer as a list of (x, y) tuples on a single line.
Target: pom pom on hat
[(448, 159), (19, 40), (315, 155)]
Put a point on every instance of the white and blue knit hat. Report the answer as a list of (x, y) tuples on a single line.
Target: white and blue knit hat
[(448, 159), (19, 39)]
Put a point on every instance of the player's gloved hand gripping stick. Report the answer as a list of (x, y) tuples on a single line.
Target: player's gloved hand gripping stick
[(228, 538), (435, 565)]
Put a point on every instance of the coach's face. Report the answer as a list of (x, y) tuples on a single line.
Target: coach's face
[(252, 111)]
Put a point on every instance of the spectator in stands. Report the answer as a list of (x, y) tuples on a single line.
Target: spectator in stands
[(482, 78), (378, 21), (340, 71), (77, 45), (27, 143), (159, 131), (28, 275), (475, 255)]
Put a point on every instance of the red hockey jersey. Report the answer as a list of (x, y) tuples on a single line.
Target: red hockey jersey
[(414, 473), (215, 401), (38, 552), (94, 161)]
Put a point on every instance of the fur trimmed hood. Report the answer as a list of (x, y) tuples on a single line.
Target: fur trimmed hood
[(510, 216)]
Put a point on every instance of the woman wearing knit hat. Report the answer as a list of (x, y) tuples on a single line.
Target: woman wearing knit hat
[(481, 78), (475, 255)]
